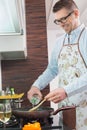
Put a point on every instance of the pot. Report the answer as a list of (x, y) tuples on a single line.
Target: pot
[(42, 112)]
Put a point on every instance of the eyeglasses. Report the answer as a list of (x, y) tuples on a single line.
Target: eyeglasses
[(63, 19)]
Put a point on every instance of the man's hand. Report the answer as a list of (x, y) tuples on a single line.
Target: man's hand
[(32, 91), (56, 95)]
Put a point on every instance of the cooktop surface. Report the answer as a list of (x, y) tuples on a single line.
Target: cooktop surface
[(43, 128)]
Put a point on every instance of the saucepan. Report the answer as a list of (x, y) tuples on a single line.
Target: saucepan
[(41, 112)]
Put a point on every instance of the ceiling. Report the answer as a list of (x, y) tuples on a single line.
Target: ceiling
[(82, 4)]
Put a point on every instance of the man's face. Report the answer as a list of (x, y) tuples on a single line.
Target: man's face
[(66, 19)]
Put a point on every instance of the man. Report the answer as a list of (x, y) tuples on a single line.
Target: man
[(69, 61)]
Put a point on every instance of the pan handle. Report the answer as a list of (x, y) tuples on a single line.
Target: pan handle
[(63, 109)]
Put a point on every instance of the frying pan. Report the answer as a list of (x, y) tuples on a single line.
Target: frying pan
[(41, 112)]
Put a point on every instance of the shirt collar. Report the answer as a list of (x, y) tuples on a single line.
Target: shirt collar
[(77, 30)]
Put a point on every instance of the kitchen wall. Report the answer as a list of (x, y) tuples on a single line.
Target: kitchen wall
[(20, 74)]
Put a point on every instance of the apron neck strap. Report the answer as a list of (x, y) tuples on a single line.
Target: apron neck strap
[(78, 37), (81, 34)]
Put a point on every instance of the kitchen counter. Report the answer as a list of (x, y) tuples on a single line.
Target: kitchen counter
[(21, 129), (44, 128)]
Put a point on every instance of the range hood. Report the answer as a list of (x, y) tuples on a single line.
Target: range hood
[(11, 17), (12, 30)]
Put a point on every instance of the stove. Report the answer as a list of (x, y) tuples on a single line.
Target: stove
[(17, 123), (55, 128), (46, 124), (43, 121)]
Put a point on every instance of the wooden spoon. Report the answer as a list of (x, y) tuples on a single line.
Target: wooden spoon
[(34, 108)]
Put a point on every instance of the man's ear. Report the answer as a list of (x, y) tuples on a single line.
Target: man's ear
[(76, 12)]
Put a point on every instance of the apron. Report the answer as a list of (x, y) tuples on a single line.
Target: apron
[(71, 66)]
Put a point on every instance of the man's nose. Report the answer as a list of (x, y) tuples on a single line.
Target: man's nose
[(61, 24)]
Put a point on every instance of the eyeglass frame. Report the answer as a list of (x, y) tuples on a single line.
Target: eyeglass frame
[(56, 21)]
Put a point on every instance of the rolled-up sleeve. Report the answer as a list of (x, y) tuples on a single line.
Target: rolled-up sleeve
[(50, 72), (52, 69)]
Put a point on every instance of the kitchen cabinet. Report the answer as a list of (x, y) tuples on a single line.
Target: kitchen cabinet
[(12, 30), (13, 47)]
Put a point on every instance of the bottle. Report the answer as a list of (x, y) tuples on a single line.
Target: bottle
[(12, 100), (8, 92), (12, 91), (35, 99)]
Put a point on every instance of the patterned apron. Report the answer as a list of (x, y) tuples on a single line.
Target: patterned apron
[(71, 66)]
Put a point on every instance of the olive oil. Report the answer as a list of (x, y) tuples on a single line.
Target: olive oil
[(5, 116)]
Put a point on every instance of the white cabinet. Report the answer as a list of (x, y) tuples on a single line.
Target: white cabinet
[(13, 47), (13, 30)]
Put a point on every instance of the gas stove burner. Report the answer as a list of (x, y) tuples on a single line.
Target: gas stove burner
[(43, 121)]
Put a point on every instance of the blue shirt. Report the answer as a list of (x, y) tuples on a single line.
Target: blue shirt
[(52, 68)]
